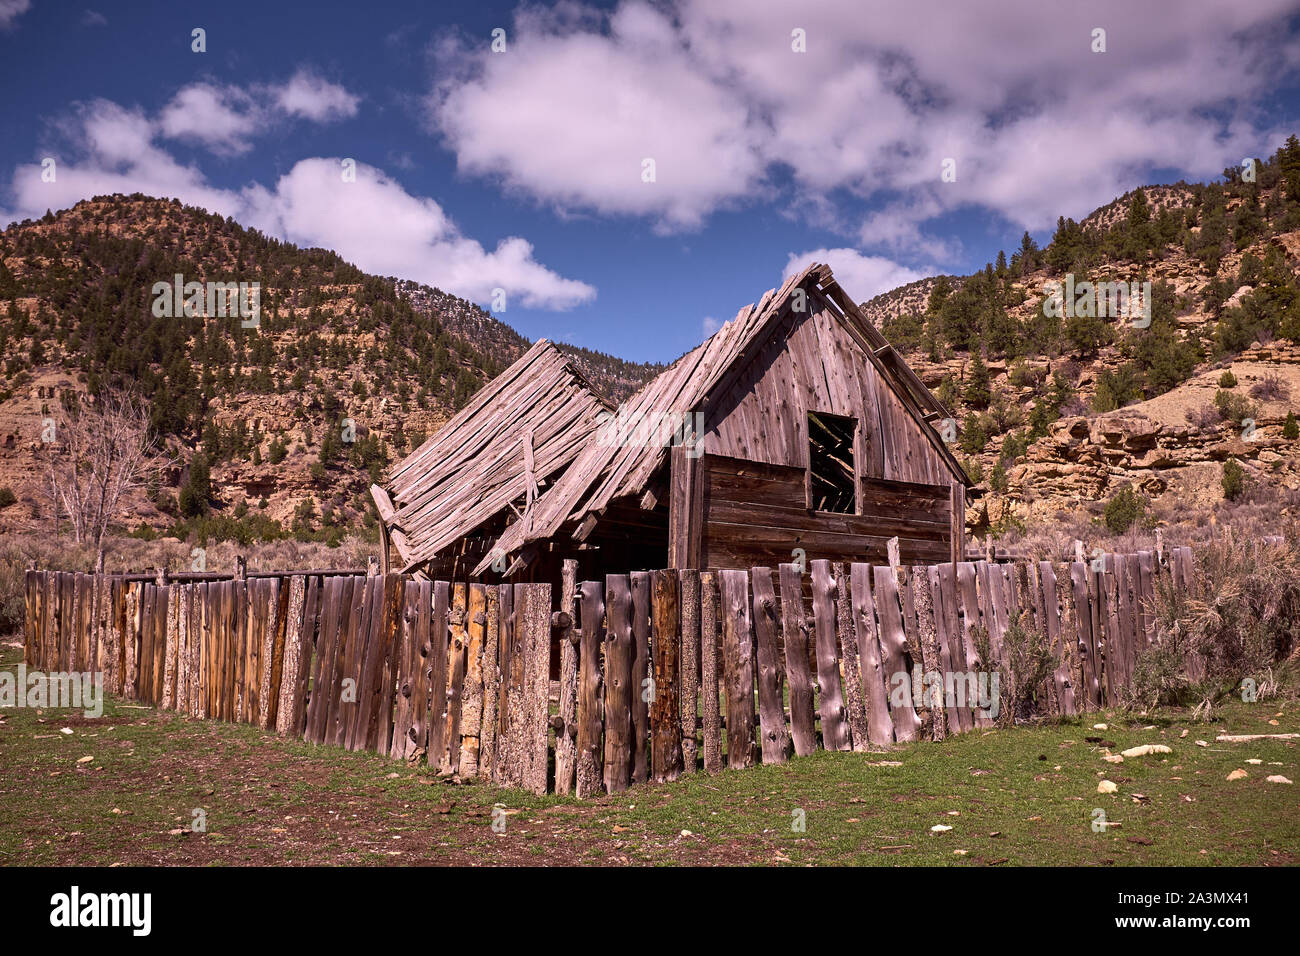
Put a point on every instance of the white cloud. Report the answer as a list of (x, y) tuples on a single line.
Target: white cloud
[(220, 118), (1038, 124), (11, 10), (570, 116), (226, 119), (709, 325), (860, 276), (93, 18), (316, 99), (373, 222)]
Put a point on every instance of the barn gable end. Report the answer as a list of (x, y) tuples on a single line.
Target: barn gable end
[(748, 391)]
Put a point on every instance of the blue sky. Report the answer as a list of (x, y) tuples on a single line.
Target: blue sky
[(780, 132)]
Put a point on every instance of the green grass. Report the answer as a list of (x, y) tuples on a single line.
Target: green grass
[(1022, 796)]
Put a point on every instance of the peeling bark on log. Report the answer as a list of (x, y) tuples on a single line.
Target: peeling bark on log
[(471, 715), (297, 653), (488, 743), (712, 723), (927, 639), (171, 649), (852, 665), (566, 745), (455, 678), (690, 588)]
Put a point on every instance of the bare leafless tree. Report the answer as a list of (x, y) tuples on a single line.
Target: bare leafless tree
[(103, 450)]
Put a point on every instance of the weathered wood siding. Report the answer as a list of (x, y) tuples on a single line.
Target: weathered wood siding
[(811, 362), (755, 514)]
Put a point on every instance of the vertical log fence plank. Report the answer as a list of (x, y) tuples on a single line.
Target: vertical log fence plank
[(855, 703), (185, 649), (1108, 605), (53, 591), (347, 692), (1146, 599), (80, 639), (1083, 591), (456, 677), (537, 687), (949, 665), (771, 710), (711, 719), (950, 578), (507, 757), (297, 656), (332, 686), (29, 619), (271, 657), (98, 620), (566, 743), (375, 707), (875, 689), (471, 715), (110, 653), (690, 706), (830, 697), (640, 675), (322, 666), (487, 756), (619, 689), (665, 704), (928, 641), (171, 647), (794, 633), (1056, 635), (439, 634), (587, 772), (1126, 633), (738, 668), (145, 643), (517, 714), (893, 649)]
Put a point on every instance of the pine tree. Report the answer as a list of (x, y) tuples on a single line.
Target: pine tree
[(1139, 213), (978, 393), (1289, 164)]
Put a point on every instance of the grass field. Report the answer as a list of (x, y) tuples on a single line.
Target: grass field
[(1011, 797)]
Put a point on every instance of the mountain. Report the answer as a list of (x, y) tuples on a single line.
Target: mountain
[(1062, 410), (615, 378), (1063, 413), (255, 419)]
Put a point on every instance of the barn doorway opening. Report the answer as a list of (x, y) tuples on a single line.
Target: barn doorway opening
[(832, 475)]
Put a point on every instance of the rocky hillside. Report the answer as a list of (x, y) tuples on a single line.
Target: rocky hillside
[(615, 378), (274, 431), (1060, 409)]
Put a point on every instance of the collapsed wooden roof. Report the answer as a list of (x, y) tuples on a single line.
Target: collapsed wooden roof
[(604, 470), (517, 432)]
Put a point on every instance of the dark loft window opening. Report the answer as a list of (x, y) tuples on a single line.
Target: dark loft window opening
[(832, 479)]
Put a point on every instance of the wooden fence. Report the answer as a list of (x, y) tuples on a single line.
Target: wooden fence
[(656, 669)]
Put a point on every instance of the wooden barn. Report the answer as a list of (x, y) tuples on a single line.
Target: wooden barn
[(795, 431)]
